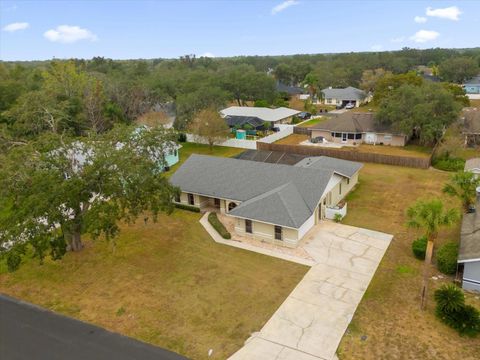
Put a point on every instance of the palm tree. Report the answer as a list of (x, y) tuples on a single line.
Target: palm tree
[(429, 216), (449, 298), (463, 185)]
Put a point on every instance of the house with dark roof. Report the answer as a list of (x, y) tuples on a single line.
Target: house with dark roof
[(270, 202), (352, 128), (341, 97), (469, 251), (288, 89)]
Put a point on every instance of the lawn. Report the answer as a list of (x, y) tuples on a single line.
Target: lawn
[(167, 283), (312, 122), (389, 314)]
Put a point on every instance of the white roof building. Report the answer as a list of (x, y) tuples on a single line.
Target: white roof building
[(265, 114)]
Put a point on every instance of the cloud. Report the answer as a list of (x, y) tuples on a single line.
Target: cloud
[(67, 34), (398, 39), (423, 36), (207, 54), (377, 47), (16, 26), (420, 19), (450, 13), (284, 5)]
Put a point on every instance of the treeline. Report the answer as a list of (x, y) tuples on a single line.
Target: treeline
[(78, 96)]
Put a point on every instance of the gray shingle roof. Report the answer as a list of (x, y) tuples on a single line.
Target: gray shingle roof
[(348, 93), (470, 236), (279, 194), (341, 167), (354, 122)]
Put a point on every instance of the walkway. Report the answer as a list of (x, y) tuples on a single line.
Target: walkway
[(312, 320)]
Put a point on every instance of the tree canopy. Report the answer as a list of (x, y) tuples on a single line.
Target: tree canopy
[(54, 190)]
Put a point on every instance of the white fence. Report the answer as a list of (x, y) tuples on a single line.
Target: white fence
[(236, 143), (330, 212), (285, 130)]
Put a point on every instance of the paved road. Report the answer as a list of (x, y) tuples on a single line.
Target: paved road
[(30, 332), (312, 320)]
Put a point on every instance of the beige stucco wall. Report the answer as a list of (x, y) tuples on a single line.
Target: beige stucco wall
[(266, 232)]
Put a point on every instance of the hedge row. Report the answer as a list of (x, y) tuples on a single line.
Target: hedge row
[(187, 207), (217, 225)]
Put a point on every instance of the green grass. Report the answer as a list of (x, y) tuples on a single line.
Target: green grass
[(312, 122), (167, 283)]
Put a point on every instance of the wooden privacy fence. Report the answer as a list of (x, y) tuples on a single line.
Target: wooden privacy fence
[(302, 130), (415, 162)]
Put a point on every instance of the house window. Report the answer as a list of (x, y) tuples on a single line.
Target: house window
[(348, 181), (231, 206), (177, 198), (278, 233), (351, 136), (340, 189), (191, 199), (329, 101), (216, 203), (248, 226), (358, 136), (387, 137), (338, 135)]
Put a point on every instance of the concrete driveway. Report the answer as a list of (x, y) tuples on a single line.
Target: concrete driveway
[(312, 320)]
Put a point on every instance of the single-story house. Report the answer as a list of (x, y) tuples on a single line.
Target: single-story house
[(469, 251), (270, 202), (471, 126), (472, 86), (473, 165), (342, 97), (279, 115), (356, 128)]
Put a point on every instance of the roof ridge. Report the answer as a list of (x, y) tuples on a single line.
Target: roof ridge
[(286, 205)]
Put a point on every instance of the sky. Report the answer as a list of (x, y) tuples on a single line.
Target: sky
[(39, 30)]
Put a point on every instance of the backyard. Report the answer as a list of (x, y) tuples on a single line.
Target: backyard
[(408, 150), (389, 316), (166, 283)]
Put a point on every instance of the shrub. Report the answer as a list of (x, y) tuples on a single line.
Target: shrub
[(448, 163), (261, 103), (447, 258), (217, 225), (182, 137), (337, 218), (451, 310), (187, 207), (419, 247)]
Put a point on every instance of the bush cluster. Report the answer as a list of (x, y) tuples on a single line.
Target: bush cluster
[(419, 247), (452, 310), (187, 207), (448, 163), (447, 258), (217, 225)]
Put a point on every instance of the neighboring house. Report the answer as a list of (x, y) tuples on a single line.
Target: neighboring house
[(341, 97), (473, 165), (471, 126), (355, 128), (279, 115), (240, 121), (270, 202), (472, 86), (469, 252), (292, 91)]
